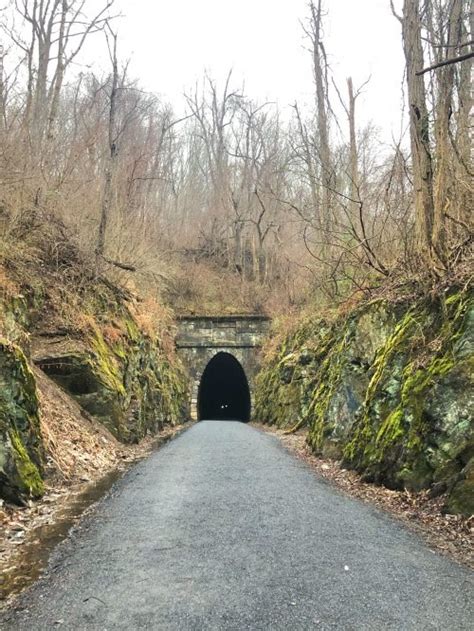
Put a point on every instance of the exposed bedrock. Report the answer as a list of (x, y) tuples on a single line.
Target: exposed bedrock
[(387, 389), (118, 372)]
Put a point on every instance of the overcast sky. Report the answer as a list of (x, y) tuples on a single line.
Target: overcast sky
[(171, 43)]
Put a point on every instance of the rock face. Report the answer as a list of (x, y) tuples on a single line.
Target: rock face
[(117, 370), (125, 381), (388, 389), (21, 452)]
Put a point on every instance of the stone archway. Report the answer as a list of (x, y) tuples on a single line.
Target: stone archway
[(223, 392), (200, 338)]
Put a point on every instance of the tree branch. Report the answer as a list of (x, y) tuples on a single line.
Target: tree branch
[(446, 62)]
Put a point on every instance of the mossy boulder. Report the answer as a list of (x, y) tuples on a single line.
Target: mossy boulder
[(21, 452)]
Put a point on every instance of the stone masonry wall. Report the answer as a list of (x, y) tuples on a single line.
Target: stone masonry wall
[(200, 338)]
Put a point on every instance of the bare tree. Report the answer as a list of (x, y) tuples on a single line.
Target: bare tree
[(113, 139), (58, 31), (321, 92), (419, 130), (442, 27)]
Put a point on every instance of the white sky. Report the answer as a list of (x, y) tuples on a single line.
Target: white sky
[(171, 43)]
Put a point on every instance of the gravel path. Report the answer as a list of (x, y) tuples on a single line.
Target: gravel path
[(224, 529)]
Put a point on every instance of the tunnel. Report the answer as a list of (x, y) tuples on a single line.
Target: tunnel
[(224, 390)]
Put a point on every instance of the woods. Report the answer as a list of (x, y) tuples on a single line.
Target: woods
[(290, 247), (282, 204), (440, 109)]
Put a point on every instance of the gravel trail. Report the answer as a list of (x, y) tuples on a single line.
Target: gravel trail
[(224, 529)]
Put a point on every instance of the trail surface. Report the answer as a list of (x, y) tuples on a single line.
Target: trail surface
[(224, 529)]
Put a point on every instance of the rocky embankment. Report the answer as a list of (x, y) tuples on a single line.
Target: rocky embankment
[(105, 349), (385, 388)]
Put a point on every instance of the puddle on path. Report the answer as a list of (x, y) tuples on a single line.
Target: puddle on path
[(33, 557)]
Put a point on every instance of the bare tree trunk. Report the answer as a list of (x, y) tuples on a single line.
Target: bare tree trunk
[(353, 156), (261, 236), (238, 246), (443, 181), (3, 109), (31, 80), (59, 74), (464, 126), (111, 166), (419, 129), (319, 69), (44, 23), (310, 167)]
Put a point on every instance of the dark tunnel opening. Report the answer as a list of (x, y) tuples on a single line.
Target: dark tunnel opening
[(224, 390)]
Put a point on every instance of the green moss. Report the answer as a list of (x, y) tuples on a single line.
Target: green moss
[(278, 395), (124, 379), (329, 378), (369, 443), (391, 429), (408, 425), (141, 389), (391, 441), (27, 473), (106, 364), (284, 386), (132, 329), (18, 398), (21, 447)]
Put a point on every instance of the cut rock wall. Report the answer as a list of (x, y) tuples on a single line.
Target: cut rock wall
[(387, 389)]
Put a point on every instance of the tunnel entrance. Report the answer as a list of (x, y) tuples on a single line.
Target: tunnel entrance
[(224, 390)]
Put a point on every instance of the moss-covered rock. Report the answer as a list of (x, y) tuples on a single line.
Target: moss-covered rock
[(21, 452), (461, 498), (91, 341), (126, 380), (414, 422), (387, 388)]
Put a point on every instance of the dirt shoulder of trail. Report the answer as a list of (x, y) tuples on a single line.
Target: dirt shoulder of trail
[(79, 453), (16, 522), (452, 535), (83, 460)]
